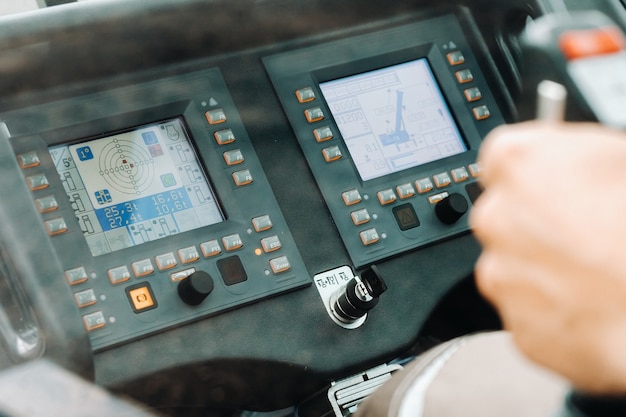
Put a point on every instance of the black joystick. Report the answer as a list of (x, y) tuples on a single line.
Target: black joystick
[(359, 296), (195, 288), (451, 208)]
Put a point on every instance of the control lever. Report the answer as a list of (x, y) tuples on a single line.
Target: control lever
[(352, 301), (585, 52)]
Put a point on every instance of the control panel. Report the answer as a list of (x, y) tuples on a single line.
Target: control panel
[(390, 123), (156, 204)]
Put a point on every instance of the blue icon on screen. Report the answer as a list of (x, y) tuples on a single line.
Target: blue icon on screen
[(84, 153), (149, 138), (103, 196)]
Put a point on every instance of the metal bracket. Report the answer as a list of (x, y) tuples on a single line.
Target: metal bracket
[(346, 394)]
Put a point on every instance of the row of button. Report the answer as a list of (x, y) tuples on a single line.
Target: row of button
[(420, 186), (321, 134), (465, 76), (86, 297), (37, 182), (226, 137), (141, 297), (185, 255), (406, 216)]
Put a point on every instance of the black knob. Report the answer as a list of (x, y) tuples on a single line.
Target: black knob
[(451, 208), (195, 288), (359, 295)]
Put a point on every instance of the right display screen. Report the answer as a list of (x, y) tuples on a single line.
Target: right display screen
[(393, 118)]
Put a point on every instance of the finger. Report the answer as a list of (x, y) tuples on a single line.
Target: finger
[(486, 275), (495, 218), (505, 146)]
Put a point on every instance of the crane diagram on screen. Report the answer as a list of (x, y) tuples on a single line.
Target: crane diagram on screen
[(399, 134), (393, 118)]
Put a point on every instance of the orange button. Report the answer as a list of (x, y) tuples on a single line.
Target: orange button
[(141, 298), (584, 43)]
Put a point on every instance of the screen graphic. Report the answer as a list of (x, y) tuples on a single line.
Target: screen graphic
[(393, 118), (136, 187)]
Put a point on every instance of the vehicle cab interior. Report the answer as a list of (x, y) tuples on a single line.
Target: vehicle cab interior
[(257, 207)]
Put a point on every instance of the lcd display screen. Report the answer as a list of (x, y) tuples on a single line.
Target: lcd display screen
[(136, 186), (392, 119)]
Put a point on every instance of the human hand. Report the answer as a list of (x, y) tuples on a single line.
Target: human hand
[(551, 222)]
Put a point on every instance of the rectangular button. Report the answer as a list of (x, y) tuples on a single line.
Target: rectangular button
[(386, 197), (280, 265), (118, 275), (405, 191), (142, 268), (474, 169), (442, 179), (360, 217), (232, 242), (406, 218), (262, 223), (181, 275), (28, 160), (271, 244), (305, 95), (332, 153), (232, 271), (234, 157), (56, 226), (94, 321), (323, 134), (314, 115), (434, 199), (46, 204), (369, 237), (242, 178), (215, 116), (472, 94), (37, 182), (224, 137), (188, 255), (481, 112), (424, 185), (85, 298), (460, 174), (166, 261), (351, 197), (589, 42), (76, 276), (141, 298), (464, 76), (210, 248), (455, 57)]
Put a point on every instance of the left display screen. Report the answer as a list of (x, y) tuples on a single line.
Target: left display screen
[(136, 186)]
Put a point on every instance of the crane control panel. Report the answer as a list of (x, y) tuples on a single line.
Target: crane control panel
[(390, 123), (156, 204)]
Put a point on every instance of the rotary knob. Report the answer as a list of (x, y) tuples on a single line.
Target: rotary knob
[(195, 288), (451, 208), (358, 296)]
